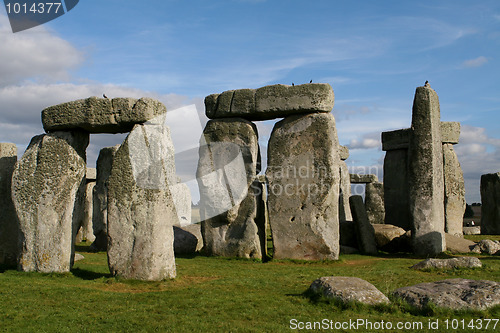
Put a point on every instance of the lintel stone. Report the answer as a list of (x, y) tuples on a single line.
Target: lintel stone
[(399, 139), (363, 179), (270, 102)]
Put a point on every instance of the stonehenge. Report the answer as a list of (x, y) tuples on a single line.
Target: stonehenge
[(423, 183), (134, 207)]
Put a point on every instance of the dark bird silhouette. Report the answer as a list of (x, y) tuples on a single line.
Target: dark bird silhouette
[(293, 84), (104, 95), (311, 81), (427, 84)]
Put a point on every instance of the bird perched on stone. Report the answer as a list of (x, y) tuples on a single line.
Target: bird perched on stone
[(311, 81), (427, 84), (293, 84), (104, 95)]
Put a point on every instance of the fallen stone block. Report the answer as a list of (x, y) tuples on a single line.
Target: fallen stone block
[(348, 289), (454, 294), (453, 263)]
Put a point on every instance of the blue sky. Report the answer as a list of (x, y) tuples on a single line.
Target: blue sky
[(373, 53)]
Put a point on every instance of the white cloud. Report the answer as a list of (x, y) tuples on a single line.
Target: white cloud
[(367, 141), (476, 62), (35, 54), (478, 154)]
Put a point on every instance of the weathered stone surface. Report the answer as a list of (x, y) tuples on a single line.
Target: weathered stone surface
[(188, 239), (453, 293), (364, 230), (344, 153), (270, 102), (401, 244), (490, 208), (426, 180), (363, 179), (85, 228), (78, 257), (182, 200), (48, 186), (374, 202), (348, 234), (487, 246), (398, 139), (457, 244), (345, 193), (141, 211), (396, 196), (9, 227), (385, 233), (233, 224), (454, 191), (91, 174), (472, 230), (303, 175), (450, 132), (100, 198), (102, 115), (452, 263), (348, 289)]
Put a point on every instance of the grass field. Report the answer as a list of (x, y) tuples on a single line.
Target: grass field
[(217, 295)]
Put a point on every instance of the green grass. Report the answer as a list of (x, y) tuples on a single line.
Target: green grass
[(216, 295)]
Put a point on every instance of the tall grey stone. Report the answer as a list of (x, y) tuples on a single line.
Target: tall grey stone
[(490, 200), (141, 211), (396, 192), (48, 187), (9, 226), (103, 115), (345, 193), (233, 225), (303, 175), (85, 232), (100, 198), (374, 202), (270, 102), (182, 200), (454, 191), (426, 180), (364, 230)]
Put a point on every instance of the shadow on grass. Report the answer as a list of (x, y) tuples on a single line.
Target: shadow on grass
[(89, 275), (6, 267)]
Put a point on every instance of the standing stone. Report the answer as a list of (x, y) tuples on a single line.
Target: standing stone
[(303, 175), (454, 192), (396, 196), (182, 200), (141, 211), (85, 232), (9, 226), (48, 186), (374, 202), (426, 180), (233, 225), (490, 200), (100, 198), (364, 230), (345, 193)]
